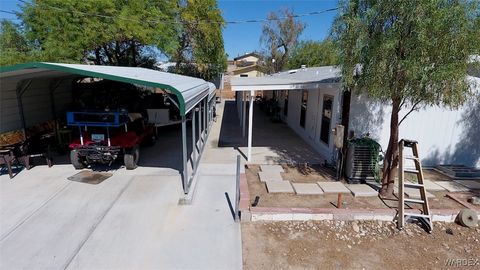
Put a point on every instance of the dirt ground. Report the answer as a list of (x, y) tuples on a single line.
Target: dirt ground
[(318, 173), (358, 245)]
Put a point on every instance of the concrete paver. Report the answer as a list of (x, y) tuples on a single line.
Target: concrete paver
[(333, 187), (415, 193), (432, 186), (471, 184), (270, 176), (362, 190), (451, 186), (307, 189), (272, 168), (279, 187)]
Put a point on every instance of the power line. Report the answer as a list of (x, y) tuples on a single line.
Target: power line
[(313, 13), (8, 12)]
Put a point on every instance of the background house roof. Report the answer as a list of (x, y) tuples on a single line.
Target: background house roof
[(246, 55)]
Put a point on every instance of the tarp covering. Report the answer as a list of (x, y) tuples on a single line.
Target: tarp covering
[(189, 90)]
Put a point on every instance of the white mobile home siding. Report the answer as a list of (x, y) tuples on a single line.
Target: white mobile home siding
[(445, 136), (311, 132)]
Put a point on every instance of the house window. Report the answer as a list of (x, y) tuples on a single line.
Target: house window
[(303, 111), (326, 118), (243, 75), (285, 104)]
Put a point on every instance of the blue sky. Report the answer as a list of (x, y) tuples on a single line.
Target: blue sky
[(244, 38)]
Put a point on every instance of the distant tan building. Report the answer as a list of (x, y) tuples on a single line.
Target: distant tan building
[(245, 66)]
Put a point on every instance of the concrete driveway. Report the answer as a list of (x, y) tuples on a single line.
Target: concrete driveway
[(131, 220)]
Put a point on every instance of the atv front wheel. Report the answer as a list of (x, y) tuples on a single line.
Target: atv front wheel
[(130, 159), (76, 161)]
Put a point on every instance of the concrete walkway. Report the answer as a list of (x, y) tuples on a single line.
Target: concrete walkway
[(132, 220), (272, 143)]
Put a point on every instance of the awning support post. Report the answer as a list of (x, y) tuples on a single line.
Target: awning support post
[(200, 126), (184, 154), (250, 127), (21, 88), (194, 141), (54, 86), (205, 117), (244, 113)]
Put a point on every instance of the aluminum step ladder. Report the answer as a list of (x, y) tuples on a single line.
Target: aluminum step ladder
[(425, 217)]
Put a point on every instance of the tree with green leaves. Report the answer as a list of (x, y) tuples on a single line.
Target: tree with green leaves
[(407, 54), (313, 54), (200, 51), (107, 32), (280, 35), (14, 46)]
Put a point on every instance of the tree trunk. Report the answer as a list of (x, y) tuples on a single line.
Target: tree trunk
[(134, 54), (179, 53), (390, 162), (98, 58), (116, 53), (108, 54)]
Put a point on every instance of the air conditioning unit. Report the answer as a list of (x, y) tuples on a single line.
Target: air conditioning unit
[(362, 159)]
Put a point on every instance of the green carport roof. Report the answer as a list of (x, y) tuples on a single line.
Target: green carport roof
[(189, 90)]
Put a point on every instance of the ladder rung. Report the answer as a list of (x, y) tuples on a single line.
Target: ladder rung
[(409, 143), (414, 185), (411, 171), (416, 215), (412, 158), (414, 201)]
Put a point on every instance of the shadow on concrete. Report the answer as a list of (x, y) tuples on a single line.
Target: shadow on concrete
[(274, 142), (165, 153)]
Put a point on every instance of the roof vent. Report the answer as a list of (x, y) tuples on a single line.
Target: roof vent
[(292, 71), (303, 66)]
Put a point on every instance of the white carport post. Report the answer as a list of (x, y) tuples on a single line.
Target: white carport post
[(244, 112), (250, 127)]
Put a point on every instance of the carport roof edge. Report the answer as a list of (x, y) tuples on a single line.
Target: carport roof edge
[(189, 90)]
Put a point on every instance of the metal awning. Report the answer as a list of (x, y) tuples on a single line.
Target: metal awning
[(303, 78), (189, 90)]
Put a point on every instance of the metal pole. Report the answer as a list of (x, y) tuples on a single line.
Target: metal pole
[(401, 195), (244, 113), (250, 127), (205, 117), (194, 141), (184, 154), (237, 194), (81, 135), (53, 86), (21, 88), (200, 125), (239, 100)]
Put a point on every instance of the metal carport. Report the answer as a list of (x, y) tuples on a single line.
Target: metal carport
[(194, 95)]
